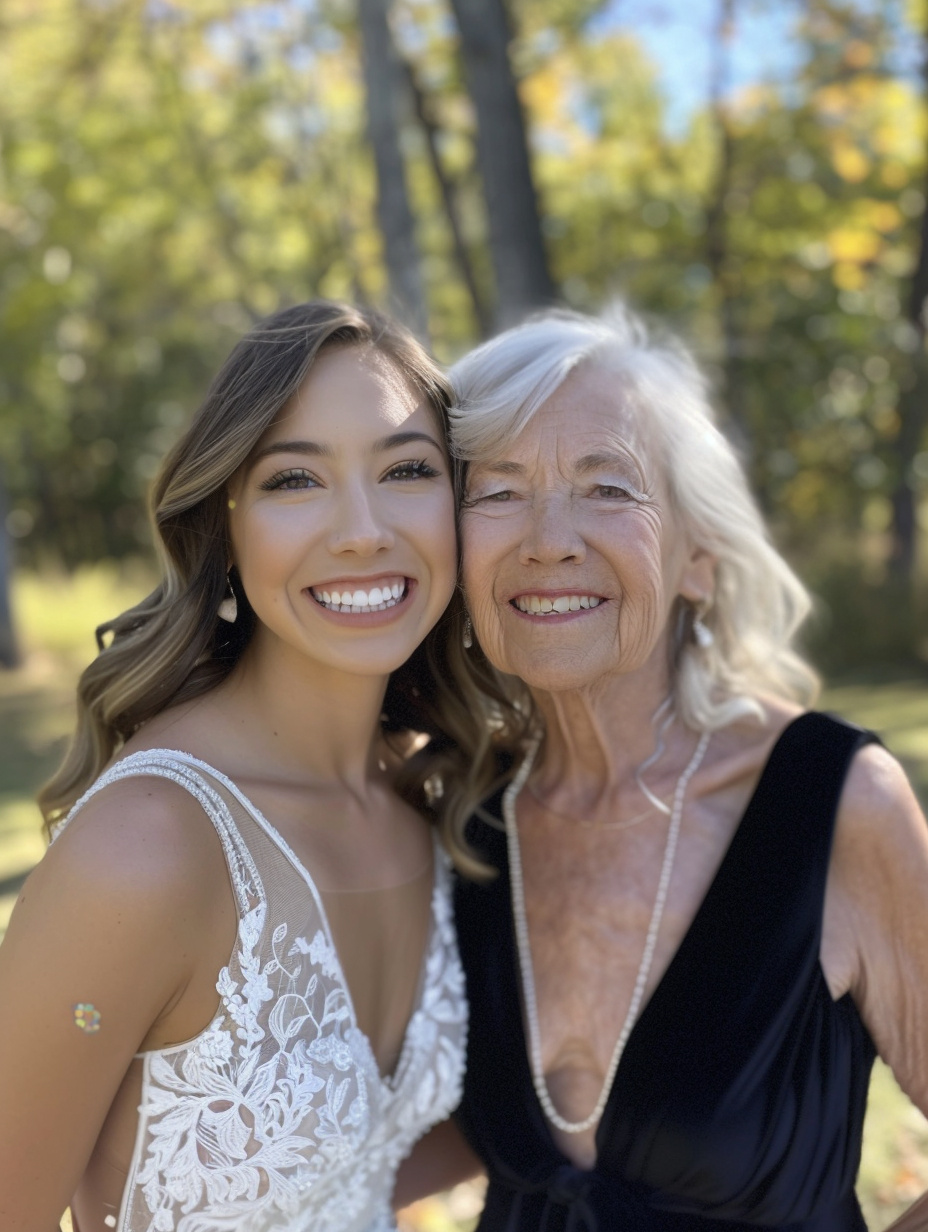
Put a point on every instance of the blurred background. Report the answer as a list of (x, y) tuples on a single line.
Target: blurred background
[(753, 172)]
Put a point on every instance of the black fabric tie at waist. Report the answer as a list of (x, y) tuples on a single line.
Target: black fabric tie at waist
[(580, 1201)]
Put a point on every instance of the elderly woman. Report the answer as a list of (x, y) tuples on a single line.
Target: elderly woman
[(710, 904)]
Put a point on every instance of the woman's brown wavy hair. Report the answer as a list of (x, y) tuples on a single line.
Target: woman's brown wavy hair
[(171, 647)]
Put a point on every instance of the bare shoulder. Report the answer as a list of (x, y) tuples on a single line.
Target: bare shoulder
[(142, 841), (880, 824), (106, 937)]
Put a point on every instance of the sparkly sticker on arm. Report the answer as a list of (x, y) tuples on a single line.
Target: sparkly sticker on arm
[(87, 1017)]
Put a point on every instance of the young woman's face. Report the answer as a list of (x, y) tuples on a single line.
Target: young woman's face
[(343, 520)]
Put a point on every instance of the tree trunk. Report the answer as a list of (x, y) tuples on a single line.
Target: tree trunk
[(913, 406), (718, 248), (8, 653), (385, 86), (465, 265), (520, 266)]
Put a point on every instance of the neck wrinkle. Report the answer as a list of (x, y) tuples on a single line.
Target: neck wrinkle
[(594, 742)]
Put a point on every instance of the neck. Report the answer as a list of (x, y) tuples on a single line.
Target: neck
[(301, 720), (597, 737)]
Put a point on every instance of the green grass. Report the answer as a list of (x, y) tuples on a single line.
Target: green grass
[(56, 616)]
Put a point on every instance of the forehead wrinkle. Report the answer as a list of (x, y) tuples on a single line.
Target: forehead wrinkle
[(614, 452), (603, 460)]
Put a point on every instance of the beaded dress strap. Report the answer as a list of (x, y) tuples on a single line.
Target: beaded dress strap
[(179, 768)]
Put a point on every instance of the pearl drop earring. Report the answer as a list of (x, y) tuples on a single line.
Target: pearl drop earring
[(228, 608)]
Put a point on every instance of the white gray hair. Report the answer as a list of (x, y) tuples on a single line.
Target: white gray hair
[(759, 603)]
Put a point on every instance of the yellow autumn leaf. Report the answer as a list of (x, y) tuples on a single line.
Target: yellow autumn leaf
[(847, 277), (543, 94), (884, 216), (850, 163), (832, 100), (853, 244), (894, 175), (857, 53)]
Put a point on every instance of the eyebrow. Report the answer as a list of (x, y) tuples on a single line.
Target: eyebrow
[(503, 468), (604, 458), (316, 450)]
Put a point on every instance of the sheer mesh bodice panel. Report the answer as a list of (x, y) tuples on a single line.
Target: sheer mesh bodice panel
[(276, 1116)]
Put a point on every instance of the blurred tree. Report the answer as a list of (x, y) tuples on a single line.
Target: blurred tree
[(449, 197), (387, 97), (723, 265), (913, 405), (514, 231), (170, 172), (9, 656)]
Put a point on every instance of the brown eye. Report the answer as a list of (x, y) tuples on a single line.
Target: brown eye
[(293, 480)]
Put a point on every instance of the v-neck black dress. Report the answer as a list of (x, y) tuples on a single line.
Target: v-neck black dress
[(739, 1101)]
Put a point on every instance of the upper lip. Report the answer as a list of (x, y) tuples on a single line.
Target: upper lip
[(361, 583)]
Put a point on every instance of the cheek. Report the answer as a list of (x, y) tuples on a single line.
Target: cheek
[(479, 556), (268, 544), (437, 530)]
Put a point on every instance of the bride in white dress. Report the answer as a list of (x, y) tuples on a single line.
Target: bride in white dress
[(231, 992)]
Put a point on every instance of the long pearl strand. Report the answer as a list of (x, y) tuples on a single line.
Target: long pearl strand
[(525, 954)]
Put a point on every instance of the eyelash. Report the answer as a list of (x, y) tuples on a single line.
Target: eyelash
[(296, 479), (283, 480), (504, 494), (418, 468)]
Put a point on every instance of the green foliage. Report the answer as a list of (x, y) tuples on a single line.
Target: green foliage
[(169, 172)]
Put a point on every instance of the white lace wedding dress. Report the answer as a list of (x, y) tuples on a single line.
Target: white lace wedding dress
[(275, 1118)]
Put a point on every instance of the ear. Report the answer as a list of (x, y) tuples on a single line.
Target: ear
[(697, 583)]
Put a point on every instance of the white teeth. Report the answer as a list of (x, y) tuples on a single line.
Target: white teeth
[(377, 599), (538, 605)]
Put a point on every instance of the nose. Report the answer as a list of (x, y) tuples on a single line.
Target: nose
[(551, 535), (358, 524)]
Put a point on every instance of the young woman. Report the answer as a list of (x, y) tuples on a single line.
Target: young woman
[(232, 997)]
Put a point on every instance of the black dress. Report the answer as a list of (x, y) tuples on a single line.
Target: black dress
[(739, 1100)]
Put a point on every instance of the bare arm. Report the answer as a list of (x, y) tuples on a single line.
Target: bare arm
[(440, 1160), (106, 921), (877, 918)]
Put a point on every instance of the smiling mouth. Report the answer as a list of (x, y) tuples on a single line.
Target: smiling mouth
[(387, 593), (542, 605)]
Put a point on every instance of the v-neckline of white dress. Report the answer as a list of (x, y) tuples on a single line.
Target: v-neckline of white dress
[(391, 1082)]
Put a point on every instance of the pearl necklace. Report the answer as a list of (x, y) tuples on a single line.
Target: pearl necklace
[(525, 954)]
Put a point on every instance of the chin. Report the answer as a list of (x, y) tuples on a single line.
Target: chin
[(554, 677)]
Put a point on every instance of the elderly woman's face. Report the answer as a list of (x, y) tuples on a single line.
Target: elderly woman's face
[(572, 554)]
